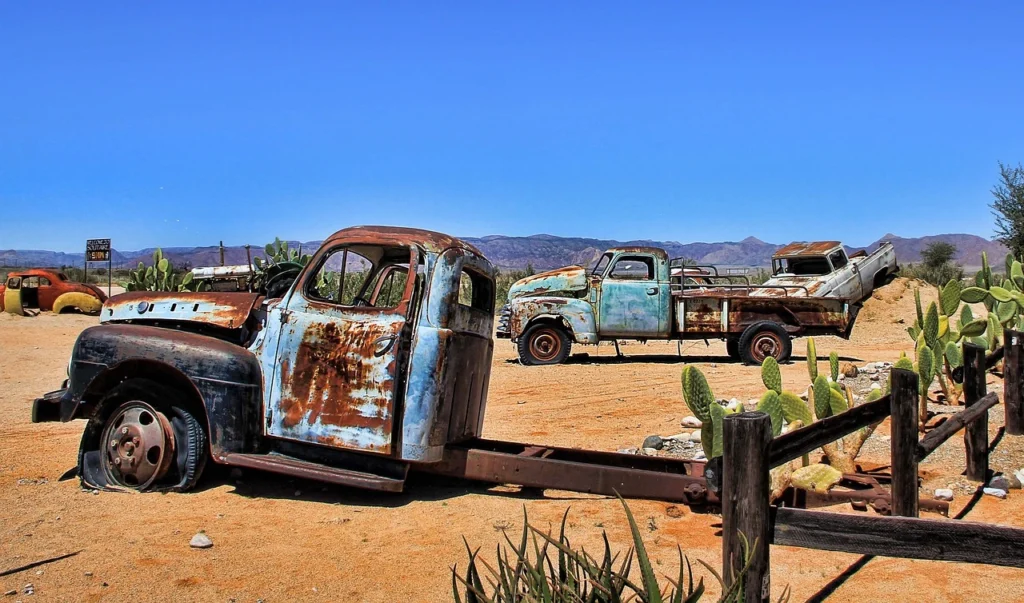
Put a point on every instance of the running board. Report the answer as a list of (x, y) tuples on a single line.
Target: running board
[(286, 465)]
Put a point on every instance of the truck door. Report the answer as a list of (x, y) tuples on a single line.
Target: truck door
[(337, 374), (847, 276), (633, 303)]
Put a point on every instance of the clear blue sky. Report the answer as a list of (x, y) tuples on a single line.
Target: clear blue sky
[(188, 123)]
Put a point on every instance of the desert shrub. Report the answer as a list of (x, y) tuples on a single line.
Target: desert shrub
[(933, 275), (526, 573), (504, 279)]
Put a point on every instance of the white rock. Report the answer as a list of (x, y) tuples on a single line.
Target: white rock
[(200, 541), (995, 492), (691, 422), (695, 436), (679, 437), (842, 377), (875, 386), (650, 452), (943, 494), (700, 456), (627, 450)]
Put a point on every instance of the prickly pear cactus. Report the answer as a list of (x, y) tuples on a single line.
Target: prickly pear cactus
[(833, 365), (772, 405), (949, 297), (812, 359), (953, 355), (771, 375), (904, 363), (930, 328), (817, 477), (697, 393), (925, 369), (158, 277), (717, 422)]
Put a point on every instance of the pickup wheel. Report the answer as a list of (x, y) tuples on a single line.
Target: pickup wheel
[(150, 441), (763, 339), (544, 343)]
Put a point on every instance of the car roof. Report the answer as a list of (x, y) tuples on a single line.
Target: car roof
[(805, 248)]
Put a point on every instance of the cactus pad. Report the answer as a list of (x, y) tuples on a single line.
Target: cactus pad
[(822, 394), (837, 402), (817, 477), (1000, 294), (973, 328), (812, 359), (717, 424), (904, 363), (973, 295), (949, 297), (697, 393), (772, 406), (833, 365), (953, 355), (770, 374), (795, 409), (925, 368)]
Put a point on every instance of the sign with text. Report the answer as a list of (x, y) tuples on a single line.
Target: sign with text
[(97, 250)]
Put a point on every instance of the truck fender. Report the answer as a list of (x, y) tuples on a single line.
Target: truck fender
[(577, 315), (223, 380)]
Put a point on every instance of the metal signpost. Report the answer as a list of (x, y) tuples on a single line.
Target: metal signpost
[(98, 250)]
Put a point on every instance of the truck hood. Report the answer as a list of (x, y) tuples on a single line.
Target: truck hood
[(570, 278), (225, 310)]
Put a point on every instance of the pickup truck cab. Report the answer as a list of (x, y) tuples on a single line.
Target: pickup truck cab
[(640, 293), (377, 357), (824, 269)]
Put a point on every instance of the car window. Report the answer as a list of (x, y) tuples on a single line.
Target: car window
[(30, 282), (44, 282), (14, 282), (633, 268)]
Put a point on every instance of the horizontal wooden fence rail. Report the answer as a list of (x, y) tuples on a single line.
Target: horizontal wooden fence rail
[(802, 441), (910, 537), (943, 432)]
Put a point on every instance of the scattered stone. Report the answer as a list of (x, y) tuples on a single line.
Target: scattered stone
[(11, 592), (679, 437), (653, 441), (943, 494), (842, 377), (29, 589), (1019, 474), (88, 574), (627, 450), (876, 377), (849, 370), (691, 422), (650, 451), (674, 511), (695, 436), (521, 402), (700, 456), (995, 492), (999, 482), (1014, 482), (200, 541), (875, 386)]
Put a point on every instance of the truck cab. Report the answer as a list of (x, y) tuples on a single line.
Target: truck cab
[(376, 358), (823, 269)]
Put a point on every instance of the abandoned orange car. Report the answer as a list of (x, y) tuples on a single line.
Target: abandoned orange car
[(48, 290)]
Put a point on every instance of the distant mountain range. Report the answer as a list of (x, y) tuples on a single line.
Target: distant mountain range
[(543, 252)]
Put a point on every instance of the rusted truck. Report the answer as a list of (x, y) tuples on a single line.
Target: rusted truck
[(374, 363), (639, 293)]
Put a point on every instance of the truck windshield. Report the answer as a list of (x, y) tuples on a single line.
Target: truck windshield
[(801, 266), (601, 265)]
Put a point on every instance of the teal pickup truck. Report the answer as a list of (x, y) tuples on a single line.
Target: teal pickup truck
[(640, 293)]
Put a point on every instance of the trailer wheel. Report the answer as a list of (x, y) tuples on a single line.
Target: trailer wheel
[(544, 343), (150, 441), (763, 339), (732, 347)]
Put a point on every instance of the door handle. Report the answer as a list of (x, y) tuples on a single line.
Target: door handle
[(652, 291), (381, 345)]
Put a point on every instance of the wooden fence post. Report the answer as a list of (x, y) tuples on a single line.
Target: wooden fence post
[(1013, 369), (745, 506), (903, 427), (976, 432)]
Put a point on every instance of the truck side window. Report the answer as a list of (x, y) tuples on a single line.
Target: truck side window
[(476, 291), (838, 259), (633, 268), (341, 277), (601, 264)]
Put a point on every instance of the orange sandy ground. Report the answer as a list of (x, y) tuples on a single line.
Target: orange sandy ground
[(279, 540)]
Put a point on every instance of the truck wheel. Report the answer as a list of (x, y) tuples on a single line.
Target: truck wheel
[(732, 347), (544, 343), (763, 339), (149, 442)]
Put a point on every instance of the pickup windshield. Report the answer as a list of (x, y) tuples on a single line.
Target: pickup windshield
[(601, 265), (801, 266)]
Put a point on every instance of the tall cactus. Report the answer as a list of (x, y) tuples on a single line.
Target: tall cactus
[(158, 277), (812, 359), (833, 365)]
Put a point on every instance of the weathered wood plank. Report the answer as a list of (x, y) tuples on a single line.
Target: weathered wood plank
[(976, 434), (1013, 381), (745, 489), (806, 439), (903, 428), (909, 537), (943, 432)]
